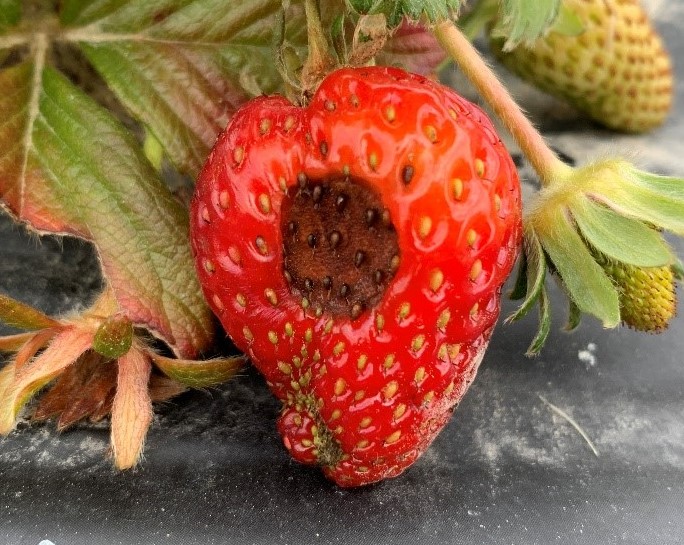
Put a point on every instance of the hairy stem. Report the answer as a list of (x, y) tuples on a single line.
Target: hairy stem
[(542, 158)]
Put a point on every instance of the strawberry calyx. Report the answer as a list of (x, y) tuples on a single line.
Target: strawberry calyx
[(599, 230), (589, 226), (90, 366)]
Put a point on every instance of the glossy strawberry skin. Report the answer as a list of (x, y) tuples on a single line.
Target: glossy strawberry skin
[(363, 396)]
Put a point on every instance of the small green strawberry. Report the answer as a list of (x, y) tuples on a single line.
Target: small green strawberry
[(614, 67), (648, 300)]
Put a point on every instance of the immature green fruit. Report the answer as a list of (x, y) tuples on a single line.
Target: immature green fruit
[(614, 68), (647, 295)]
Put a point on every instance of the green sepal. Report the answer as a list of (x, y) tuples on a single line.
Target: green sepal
[(21, 316), (12, 343), (586, 282), (620, 238), (667, 186), (114, 337), (523, 21), (199, 374), (535, 274), (574, 316), (520, 287), (648, 204), (544, 325)]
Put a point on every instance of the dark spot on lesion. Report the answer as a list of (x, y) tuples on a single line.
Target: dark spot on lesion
[(356, 310), (341, 202), (334, 239), (370, 216), (316, 194)]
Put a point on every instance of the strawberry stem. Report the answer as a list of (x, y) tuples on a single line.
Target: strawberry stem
[(319, 60), (542, 158)]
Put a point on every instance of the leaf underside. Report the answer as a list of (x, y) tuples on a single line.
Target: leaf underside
[(67, 165), (523, 21), (432, 11)]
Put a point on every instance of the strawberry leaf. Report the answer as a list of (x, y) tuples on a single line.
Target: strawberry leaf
[(432, 11), (179, 70), (524, 21), (66, 165)]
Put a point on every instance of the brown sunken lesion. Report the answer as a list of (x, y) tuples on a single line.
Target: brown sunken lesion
[(340, 246)]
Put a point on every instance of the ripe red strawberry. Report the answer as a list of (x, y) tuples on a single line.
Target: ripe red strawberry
[(355, 249)]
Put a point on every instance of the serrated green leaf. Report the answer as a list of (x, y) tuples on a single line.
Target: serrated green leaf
[(199, 374), (179, 71), (432, 11), (67, 166), (20, 316), (536, 274), (544, 325), (620, 238), (586, 282), (524, 21)]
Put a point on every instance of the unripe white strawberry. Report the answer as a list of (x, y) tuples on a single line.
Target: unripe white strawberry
[(616, 69)]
